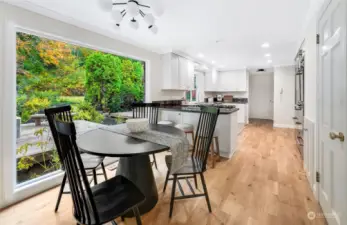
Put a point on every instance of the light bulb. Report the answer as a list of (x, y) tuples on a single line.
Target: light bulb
[(153, 28), (134, 24), (157, 7), (105, 5), (149, 19), (117, 16), (133, 8)]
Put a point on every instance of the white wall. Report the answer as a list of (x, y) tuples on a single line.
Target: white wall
[(310, 48), (284, 96), (12, 18)]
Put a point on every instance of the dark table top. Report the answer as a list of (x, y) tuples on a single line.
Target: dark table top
[(106, 143)]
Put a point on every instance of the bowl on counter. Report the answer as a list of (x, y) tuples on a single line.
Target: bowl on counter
[(138, 125)]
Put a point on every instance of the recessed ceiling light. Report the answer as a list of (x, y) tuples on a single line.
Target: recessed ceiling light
[(201, 55), (265, 45), (269, 61), (213, 62), (267, 55)]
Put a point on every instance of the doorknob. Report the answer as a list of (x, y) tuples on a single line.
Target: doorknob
[(339, 135)]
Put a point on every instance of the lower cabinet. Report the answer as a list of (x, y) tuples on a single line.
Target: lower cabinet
[(226, 128)]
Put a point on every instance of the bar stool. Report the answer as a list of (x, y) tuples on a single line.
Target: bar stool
[(166, 122), (187, 129), (213, 153)]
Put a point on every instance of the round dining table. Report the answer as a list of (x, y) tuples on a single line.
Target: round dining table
[(134, 162)]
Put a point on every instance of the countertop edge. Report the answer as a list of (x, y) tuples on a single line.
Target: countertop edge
[(190, 111)]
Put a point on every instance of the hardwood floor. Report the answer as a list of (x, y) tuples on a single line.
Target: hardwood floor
[(263, 184)]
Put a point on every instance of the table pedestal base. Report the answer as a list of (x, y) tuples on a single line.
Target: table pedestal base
[(138, 169)]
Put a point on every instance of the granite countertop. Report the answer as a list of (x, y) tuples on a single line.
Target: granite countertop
[(197, 109)]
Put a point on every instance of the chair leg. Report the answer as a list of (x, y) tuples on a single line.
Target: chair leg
[(217, 148), (173, 195), (196, 181), (60, 193), (103, 170), (155, 161), (205, 192), (137, 215), (94, 177), (166, 180)]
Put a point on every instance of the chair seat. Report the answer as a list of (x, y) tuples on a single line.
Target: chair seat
[(91, 161), (114, 197), (192, 165), (185, 127), (166, 122)]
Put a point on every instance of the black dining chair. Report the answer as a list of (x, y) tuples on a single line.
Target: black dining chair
[(150, 111), (103, 202), (196, 163), (91, 162)]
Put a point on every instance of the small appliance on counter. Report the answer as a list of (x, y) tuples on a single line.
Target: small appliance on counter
[(228, 98), (208, 100), (219, 98)]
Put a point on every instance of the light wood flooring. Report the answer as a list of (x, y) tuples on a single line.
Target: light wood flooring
[(263, 184)]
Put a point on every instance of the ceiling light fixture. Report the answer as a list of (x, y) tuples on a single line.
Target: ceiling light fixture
[(213, 62), (269, 61), (265, 45), (132, 8), (267, 55), (201, 55)]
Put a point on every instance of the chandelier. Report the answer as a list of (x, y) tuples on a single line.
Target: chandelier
[(134, 10)]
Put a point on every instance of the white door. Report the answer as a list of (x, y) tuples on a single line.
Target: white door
[(261, 96), (332, 112)]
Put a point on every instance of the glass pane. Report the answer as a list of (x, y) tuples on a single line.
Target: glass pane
[(97, 85)]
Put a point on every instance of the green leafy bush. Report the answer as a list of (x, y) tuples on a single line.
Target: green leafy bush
[(33, 106), (85, 111)]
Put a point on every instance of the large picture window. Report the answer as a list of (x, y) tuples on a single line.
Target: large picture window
[(51, 72)]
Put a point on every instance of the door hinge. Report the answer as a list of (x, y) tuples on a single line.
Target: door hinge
[(317, 177), (318, 39)]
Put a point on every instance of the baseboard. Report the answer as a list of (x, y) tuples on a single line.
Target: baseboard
[(290, 126)]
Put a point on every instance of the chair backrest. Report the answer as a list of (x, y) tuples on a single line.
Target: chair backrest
[(62, 112), (146, 110), (204, 134), (84, 206)]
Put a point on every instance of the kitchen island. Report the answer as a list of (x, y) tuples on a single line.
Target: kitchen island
[(226, 127)]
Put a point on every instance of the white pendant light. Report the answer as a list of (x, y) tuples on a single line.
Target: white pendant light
[(105, 5), (117, 27), (117, 16), (133, 8), (157, 7), (149, 19), (134, 24), (153, 28)]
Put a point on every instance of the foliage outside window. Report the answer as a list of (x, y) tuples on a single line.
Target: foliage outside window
[(51, 72)]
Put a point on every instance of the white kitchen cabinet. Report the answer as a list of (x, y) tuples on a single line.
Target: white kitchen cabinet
[(211, 78), (174, 116), (178, 72), (234, 80)]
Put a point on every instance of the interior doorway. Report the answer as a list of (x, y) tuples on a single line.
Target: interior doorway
[(261, 96)]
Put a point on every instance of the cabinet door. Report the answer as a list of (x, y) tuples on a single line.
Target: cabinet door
[(175, 71), (183, 73), (211, 80), (191, 118)]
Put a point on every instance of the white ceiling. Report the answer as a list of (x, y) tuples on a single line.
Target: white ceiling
[(195, 26)]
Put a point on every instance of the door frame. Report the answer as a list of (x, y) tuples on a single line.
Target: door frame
[(318, 159)]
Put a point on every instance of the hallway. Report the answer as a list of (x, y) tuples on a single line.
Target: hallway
[(263, 184)]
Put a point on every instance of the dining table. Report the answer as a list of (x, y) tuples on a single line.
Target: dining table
[(133, 153)]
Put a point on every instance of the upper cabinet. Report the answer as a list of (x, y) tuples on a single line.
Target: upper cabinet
[(211, 78), (227, 81), (178, 72)]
